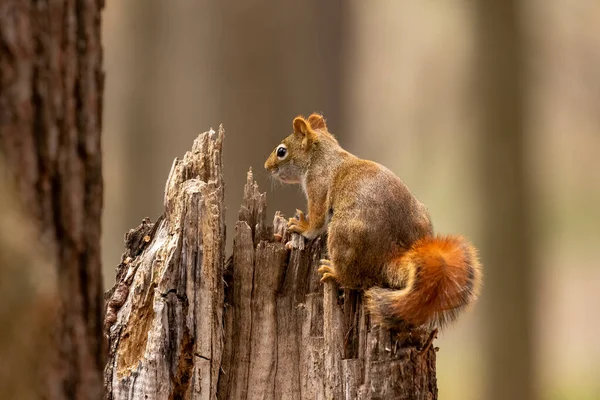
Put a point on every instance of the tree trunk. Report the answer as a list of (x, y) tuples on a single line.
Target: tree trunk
[(505, 193), (268, 330), (28, 297), (51, 83), (257, 61)]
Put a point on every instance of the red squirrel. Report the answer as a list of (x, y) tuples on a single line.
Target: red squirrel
[(379, 236)]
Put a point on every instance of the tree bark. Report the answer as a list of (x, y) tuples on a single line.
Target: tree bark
[(182, 323), (51, 84), (28, 298)]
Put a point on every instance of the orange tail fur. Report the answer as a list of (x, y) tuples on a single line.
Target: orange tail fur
[(431, 283)]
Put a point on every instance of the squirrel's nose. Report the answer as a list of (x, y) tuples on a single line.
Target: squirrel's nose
[(269, 164)]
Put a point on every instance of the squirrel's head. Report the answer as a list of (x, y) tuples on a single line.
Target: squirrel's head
[(292, 157)]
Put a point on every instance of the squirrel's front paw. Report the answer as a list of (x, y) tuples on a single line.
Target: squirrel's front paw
[(298, 225), (327, 270)]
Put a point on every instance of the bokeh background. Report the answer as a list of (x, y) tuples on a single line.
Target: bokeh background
[(489, 113)]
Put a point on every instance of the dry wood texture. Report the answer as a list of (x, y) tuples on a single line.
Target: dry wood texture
[(182, 324), (164, 315)]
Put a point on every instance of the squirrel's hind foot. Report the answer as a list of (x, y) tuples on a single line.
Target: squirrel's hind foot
[(327, 270)]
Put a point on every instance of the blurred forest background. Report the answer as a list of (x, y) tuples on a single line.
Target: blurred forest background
[(411, 85)]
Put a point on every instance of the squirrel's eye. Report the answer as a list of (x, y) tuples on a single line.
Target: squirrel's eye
[(281, 152)]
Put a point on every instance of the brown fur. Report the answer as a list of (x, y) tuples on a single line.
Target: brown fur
[(379, 234)]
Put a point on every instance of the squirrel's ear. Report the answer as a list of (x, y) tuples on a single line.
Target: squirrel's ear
[(317, 121), (301, 126), (303, 129)]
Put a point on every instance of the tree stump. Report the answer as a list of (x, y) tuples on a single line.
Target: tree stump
[(182, 323)]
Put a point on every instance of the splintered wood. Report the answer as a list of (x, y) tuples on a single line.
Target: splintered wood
[(164, 315), (182, 324)]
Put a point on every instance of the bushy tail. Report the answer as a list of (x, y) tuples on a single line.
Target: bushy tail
[(430, 284)]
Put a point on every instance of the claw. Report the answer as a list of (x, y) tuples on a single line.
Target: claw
[(327, 269), (292, 223), (298, 225), (324, 269)]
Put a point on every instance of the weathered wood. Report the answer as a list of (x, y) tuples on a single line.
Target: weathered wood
[(283, 334), (164, 315), (305, 340)]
